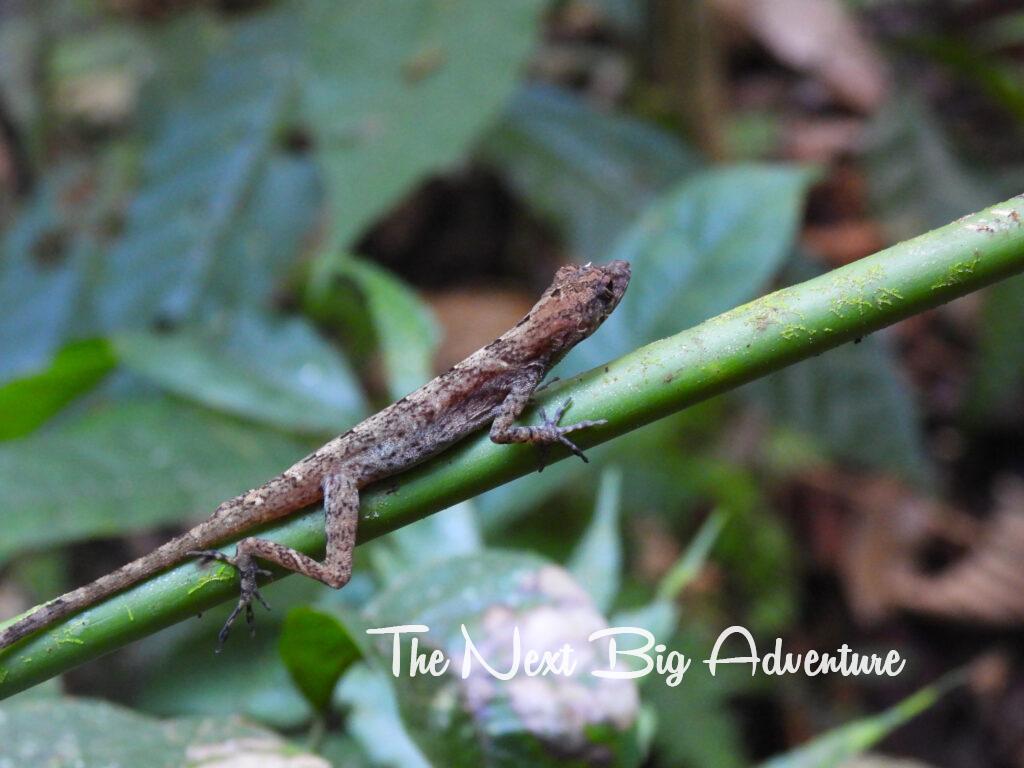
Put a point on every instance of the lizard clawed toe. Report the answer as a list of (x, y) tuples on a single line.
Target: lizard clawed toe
[(550, 432), (248, 572)]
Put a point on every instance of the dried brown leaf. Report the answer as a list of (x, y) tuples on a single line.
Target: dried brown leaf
[(883, 568), (820, 38)]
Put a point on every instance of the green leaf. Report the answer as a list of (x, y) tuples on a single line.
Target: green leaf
[(397, 92), (342, 749), (247, 678), (275, 371), (999, 371), (44, 258), (711, 243), (853, 401), (130, 466), (406, 332), (28, 402), (661, 615), (110, 48), (596, 563), (489, 722), (850, 740), (373, 720), (221, 210), (316, 649), (448, 533), (95, 734), (593, 172), (915, 178), (697, 726), (47, 690), (687, 567), (182, 46)]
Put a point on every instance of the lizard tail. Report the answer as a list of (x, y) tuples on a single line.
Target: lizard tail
[(46, 614)]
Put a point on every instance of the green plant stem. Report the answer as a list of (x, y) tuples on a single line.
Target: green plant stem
[(649, 383)]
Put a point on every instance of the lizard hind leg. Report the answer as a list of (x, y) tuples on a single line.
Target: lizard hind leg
[(341, 505)]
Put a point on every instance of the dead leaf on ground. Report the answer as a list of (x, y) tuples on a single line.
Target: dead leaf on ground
[(884, 567), (820, 38)]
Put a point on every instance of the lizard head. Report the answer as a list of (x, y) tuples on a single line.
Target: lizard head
[(579, 299), (588, 292)]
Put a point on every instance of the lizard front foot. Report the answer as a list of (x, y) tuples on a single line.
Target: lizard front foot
[(248, 571), (550, 432)]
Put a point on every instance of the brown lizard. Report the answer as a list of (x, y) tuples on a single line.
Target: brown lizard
[(493, 385)]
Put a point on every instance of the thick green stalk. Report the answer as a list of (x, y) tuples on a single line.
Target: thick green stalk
[(658, 379)]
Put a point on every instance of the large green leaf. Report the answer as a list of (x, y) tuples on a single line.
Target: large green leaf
[(373, 719), (95, 734), (44, 259), (596, 563), (278, 372), (395, 92), (406, 333), (998, 378), (221, 210), (129, 466), (482, 721), (711, 243), (853, 402), (451, 532), (916, 180), (316, 649), (28, 402), (593, 172)]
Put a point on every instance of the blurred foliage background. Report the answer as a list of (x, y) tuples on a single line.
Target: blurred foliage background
[(232, 229)]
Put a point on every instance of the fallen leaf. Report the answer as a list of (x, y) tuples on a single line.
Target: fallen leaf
[(820, 38)]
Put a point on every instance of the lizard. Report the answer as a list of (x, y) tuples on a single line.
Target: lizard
[(492, 386)]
